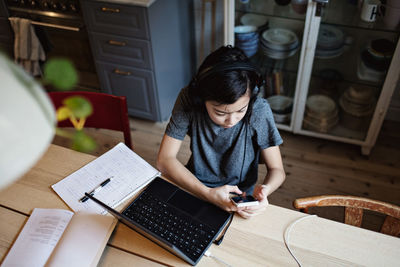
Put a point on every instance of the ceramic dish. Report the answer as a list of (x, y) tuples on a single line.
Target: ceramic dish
[(328, 54), (358, 101), (356, 109), (251, 39), (330, 37), (279, 37), (317, 127), (321, 114), (280, 104), (288, 47), (382, 47), (242, 29), (282, 118), (245, 32), (356, 116), (253, 19), (372, 62), (251, 42), (321, 104), (360, 95), (367, 74), (324, 121), (278, 54)]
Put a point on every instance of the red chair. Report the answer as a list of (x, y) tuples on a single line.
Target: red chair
[(109, 111)]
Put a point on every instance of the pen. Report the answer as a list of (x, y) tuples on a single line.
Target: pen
[(97, 189)]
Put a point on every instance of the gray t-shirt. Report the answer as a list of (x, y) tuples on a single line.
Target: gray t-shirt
[(220, 155)]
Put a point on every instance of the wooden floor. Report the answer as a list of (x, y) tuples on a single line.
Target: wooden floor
[(313, 166)]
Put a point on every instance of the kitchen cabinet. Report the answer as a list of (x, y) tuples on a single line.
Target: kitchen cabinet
[(142, 52), (338, 84), (6, 35)]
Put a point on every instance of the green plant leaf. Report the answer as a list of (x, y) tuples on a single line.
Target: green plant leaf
[(79, 106), (82, 142), (60, 73), (63, 113)]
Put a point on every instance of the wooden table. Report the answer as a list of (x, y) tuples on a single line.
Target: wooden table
[(254, 242)]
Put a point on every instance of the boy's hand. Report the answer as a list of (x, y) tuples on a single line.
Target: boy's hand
[(220, 196), (260, 193)]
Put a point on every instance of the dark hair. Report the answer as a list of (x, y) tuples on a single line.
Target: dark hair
[(225, 86)]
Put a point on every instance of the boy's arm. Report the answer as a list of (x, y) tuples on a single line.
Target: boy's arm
[(274, 178), (275, 173), (172, 168)]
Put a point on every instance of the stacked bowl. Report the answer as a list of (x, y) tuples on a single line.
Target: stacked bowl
[(279, 43), (330, 43), (375, 60), (321, 113), (246, 38), (357, 105)]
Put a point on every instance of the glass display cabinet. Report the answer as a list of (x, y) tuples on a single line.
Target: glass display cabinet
[(330, 68)]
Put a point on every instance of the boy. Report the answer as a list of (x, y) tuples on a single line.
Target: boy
[(230, 128)]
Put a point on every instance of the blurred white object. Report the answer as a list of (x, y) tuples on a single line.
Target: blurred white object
[(369, 10), (27, 121)]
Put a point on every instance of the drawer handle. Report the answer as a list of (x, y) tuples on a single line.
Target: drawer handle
[(117, 43), (120, 72), (108, 9)]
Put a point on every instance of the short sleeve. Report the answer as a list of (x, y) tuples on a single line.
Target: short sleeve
[(262, 122), (179, 122)]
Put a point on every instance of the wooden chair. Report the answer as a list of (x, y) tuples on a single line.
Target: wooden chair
[(109, 111), (354, 207)]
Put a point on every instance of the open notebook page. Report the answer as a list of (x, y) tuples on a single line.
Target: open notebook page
[(83, 241), (129, 174), (38, 238)]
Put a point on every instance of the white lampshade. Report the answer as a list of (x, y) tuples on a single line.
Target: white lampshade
[(27, 121)]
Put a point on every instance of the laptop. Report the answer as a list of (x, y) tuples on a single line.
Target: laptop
[(174, 219)]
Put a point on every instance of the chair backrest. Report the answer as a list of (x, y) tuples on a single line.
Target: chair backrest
[(109, 111), (354, 207)]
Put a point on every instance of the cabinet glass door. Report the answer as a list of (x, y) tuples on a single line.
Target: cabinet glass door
[(353, 52), (270, 33)]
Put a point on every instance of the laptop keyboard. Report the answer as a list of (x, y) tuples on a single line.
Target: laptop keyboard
[(189, 236)]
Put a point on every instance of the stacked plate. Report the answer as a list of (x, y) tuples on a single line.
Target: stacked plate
[(281, 107), (246, 38), (330, 42), (321, 114), (279, 43), (357, 105)]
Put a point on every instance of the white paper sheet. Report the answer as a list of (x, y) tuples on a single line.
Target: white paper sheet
[(38, 238), (83, 241), (129, 171)]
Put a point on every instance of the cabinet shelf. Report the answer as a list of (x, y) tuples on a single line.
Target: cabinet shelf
[(263, 7), (342, 13), (303, 72)]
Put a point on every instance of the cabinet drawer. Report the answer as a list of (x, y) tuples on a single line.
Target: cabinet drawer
[(137, 85), (115, 19), (122, 50)]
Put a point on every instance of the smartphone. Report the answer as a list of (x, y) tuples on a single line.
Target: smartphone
[(246, 201)]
